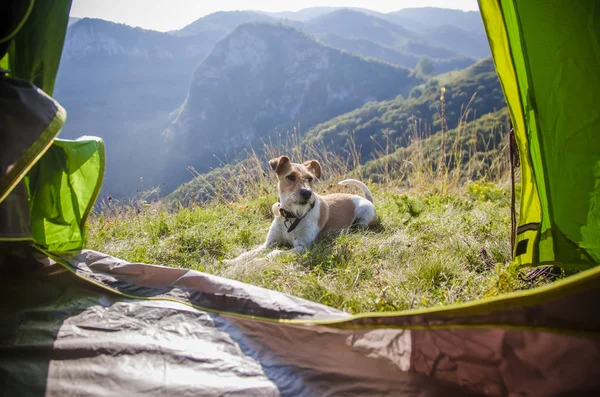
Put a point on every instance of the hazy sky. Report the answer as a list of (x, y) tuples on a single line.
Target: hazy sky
[(166, 15)]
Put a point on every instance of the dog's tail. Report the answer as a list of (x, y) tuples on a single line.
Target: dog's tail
[(361, 185)]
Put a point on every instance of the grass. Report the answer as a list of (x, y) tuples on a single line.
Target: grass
[(443, 239), (427, 252)]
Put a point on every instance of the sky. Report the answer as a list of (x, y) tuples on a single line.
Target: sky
[(164, 15)]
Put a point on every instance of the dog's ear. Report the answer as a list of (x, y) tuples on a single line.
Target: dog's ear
[(314, 166), (279, 163)]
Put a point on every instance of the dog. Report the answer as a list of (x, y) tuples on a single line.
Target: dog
[(301, 215)]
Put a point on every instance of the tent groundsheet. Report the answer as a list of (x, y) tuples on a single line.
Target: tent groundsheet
[(94, 324)]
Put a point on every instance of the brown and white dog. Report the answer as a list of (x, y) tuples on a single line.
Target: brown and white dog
[(301, 214)]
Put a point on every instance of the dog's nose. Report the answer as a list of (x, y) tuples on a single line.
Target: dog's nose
[(305, 193)]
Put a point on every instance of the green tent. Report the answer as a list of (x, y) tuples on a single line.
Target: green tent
[(79, 322), (547, 56)]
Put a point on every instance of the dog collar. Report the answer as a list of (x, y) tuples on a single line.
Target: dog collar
[(290, 215)]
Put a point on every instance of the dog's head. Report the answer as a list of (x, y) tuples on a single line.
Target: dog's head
[(296, 182)]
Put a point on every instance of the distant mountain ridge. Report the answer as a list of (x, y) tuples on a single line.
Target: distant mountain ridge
[(265, 78), (394, 30), (222, 23), (91, 37), (433, 16), (469, 94), (315, 12), (369, 49), (128, 84), (120, 83), (384, 132), (349, 23)]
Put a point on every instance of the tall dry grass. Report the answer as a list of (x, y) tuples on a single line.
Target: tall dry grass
[(444, 237)]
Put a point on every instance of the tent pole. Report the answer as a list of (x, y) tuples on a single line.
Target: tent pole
[(514, 162)]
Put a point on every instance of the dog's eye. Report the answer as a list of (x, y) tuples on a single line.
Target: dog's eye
[(309, 179), (291, 177)]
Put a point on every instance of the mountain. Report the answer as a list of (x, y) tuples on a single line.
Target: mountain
[(265, 78), (131, 86), (471, 44), (349, 23), (121, 83), (476, 88), (101, 38), (306, 14), (457, 30), (432, 17), (72, 20), (220, 24), (314, 12), (405, 22), (356, 25), (369, 49), (384, 132)]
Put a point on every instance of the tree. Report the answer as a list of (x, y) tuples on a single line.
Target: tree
[(425, 67)]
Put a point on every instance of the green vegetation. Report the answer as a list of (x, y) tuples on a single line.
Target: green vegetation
[(239, 99), (443, 237), (437, 164), (390, 132), (475, 147), (427, 253), (254, 82), (469, 94)]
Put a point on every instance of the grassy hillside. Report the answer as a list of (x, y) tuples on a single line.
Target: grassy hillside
[(475, 148), (382, 129), (427, 253), (435, 160), (128, 84), (265, 78), (469, 94), (443, 238)]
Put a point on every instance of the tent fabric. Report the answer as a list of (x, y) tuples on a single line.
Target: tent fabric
[(86, 323), (67, 336), (29, 120), (137, 280), (60, 179), (63, 177), (13, 15), (547, 56), (551, 308), (64, 186), (35, 52), (15, 218)]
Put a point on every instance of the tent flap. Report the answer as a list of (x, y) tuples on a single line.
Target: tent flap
[(30, 120), (79, 323), (547, 57), (64, 186), (192, 333), (35, 53)]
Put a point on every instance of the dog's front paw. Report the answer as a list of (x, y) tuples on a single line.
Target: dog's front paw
[(274, 254)]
